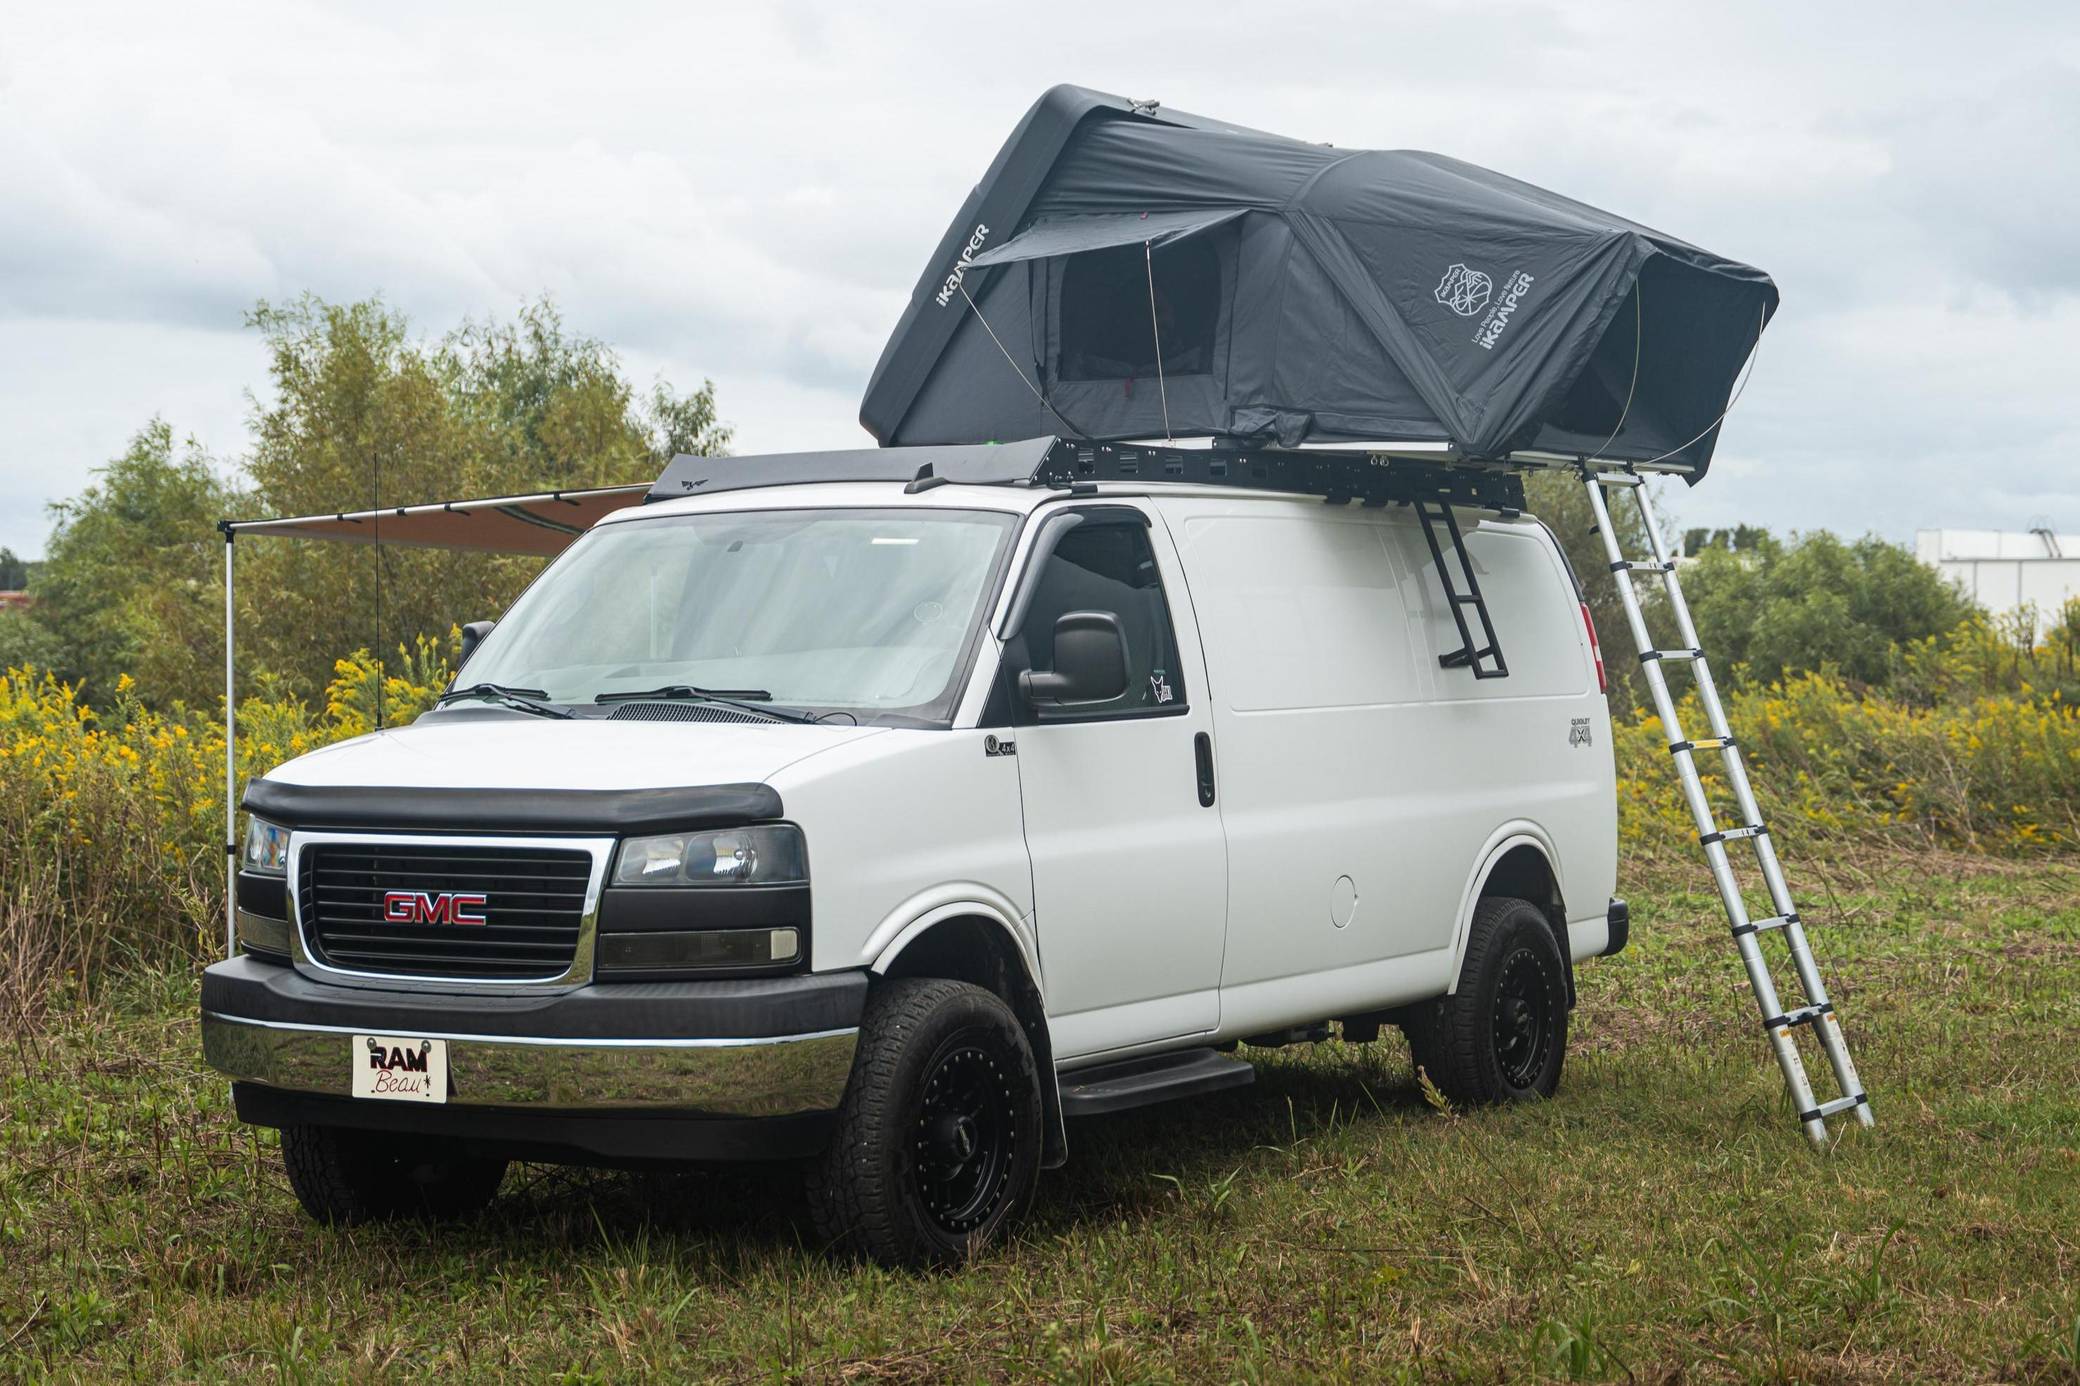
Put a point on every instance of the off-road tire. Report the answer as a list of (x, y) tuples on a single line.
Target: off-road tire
[(343, 1176), (1475, 1056), (923, 1043)]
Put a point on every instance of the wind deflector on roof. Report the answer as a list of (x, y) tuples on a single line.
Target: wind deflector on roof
[(1074, 234), (1372, 295), (974, 465)]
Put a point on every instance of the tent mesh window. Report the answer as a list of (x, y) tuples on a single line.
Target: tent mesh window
[(1106, 332)]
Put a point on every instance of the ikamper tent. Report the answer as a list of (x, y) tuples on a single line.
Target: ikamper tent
[(1128, 272)]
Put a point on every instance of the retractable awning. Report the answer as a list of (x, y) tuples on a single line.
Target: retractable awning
[(543, 524)]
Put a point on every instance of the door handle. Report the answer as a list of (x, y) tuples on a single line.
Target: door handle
[(1202, 752)]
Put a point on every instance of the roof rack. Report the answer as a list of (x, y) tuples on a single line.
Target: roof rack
[(1372, 478), (1369, 478)]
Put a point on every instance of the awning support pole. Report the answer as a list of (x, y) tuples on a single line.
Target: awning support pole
[(230, 756)]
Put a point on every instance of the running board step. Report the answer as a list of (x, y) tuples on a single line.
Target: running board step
[(1116, 1087)]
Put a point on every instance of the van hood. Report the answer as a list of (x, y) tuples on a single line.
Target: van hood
[(477, 751)]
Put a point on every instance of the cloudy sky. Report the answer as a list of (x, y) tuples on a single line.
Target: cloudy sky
[(748, 192)]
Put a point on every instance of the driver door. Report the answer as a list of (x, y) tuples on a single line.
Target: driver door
[(1129, 859)]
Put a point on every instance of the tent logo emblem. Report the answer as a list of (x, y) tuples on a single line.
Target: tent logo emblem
[(952, 285), (1464, 291), (1513, 292)]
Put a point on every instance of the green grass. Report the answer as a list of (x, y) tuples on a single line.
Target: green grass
[(1663, 1219)]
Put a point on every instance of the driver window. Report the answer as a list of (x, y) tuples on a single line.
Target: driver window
[(1110, 566)]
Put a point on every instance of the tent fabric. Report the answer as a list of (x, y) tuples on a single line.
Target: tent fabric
[(539, 524), (1360, 295)]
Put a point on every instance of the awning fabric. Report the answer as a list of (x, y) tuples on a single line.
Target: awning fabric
[(1074, 234), (540, 524)]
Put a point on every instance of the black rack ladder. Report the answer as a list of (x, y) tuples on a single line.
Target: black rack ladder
[(1777, 1021), (1485, 659)]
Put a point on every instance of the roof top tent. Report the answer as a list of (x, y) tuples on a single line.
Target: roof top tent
[(1127, 272)]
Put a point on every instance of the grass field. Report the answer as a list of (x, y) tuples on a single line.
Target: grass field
[(1662, 1220)]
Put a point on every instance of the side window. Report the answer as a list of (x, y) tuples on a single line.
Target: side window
[(1109, 565), (1108, 331)]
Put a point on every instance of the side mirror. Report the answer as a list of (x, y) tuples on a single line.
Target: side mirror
[(1090, 661), (472, 636)]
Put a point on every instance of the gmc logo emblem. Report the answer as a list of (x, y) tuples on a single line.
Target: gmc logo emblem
[(418, 907)]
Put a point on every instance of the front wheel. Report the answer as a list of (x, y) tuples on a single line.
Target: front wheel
[(1502, 1036), (937, 1148), (343, 1176)]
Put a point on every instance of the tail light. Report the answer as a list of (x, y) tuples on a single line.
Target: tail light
[(1603, 683)]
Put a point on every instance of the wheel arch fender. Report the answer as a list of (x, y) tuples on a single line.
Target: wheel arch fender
[(1519, 859), (980, 937)]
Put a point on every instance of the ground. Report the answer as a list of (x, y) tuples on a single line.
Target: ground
[(1661, 1220)]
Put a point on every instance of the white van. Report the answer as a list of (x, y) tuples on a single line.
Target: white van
[(885, 809)]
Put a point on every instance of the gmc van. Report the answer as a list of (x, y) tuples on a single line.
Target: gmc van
[(885, 810)]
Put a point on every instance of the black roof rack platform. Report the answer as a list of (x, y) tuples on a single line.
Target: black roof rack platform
[(1337, 477)]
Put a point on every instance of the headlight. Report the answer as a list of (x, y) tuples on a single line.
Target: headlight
[(267, 848), (768, 855)]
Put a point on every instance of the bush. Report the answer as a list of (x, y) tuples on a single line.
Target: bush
[(112, 819), (1999, 773), (1992, 656), (26, 643)]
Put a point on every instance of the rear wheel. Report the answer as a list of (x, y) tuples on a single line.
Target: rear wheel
[(343, 1176), (1502, 1036), (937, 1149)]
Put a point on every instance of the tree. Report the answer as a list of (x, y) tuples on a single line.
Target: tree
[(14, 572), (686, 423), (130, 581), (365, 415), (1739, 539), (1559, 499), (1817, 603), (558, 409)]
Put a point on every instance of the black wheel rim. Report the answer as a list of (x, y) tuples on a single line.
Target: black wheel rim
[(1524, 1018), (967, 1134)]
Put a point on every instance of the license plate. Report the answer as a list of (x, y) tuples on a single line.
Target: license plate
[(401, 1068)]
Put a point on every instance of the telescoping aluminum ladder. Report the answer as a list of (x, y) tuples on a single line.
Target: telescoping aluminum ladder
[(1748, 933)]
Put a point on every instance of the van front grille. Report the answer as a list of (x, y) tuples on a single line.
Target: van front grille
[(408, 910)]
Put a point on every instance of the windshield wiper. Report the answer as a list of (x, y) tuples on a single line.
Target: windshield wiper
[(683, 690), (756, 700), (525, 699)]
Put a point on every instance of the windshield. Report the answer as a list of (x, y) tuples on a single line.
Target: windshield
[(865, 611)]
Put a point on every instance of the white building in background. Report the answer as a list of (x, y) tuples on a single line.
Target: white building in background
[(2004, 570)]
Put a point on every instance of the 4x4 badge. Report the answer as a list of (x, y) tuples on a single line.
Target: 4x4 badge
[(993, 746)]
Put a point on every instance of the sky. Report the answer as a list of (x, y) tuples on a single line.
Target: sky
[(747, 193)]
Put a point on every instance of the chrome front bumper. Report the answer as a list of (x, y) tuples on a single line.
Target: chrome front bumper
[(774, 1076), (749, 1048)]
